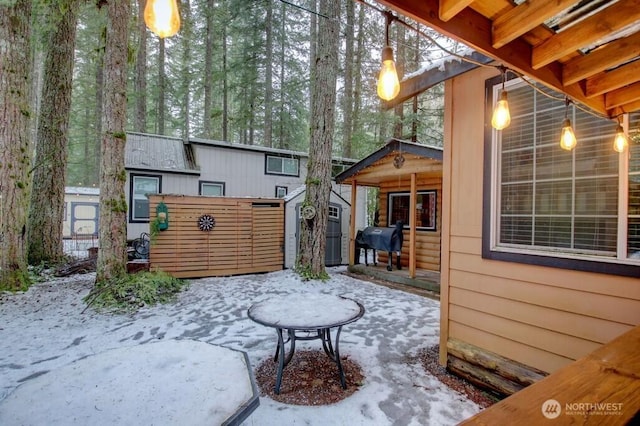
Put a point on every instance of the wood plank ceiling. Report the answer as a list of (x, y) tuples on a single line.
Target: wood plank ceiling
[(588, 50)]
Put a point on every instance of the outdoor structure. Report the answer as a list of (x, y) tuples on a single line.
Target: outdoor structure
[(216, 236), (409, 177), (337, 249), (539, 245), (81, 211), (165, 165)]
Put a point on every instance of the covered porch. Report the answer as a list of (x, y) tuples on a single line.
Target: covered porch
[(409, 178)]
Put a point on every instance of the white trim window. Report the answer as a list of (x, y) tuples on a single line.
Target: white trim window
[(141, 185), (579, 204), (334, 212), (426, 206), (212, 189), (277, 165)]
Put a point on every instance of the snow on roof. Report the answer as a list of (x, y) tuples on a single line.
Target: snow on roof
[(81, 190), (293, 194)]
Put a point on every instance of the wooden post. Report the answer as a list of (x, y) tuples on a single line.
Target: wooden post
[(352, 224), (412, 227)]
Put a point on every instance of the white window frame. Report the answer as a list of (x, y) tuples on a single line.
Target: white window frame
[(204, 183), (282, 170), (138, 197), (431, 193), (281, 191), (551, 256)]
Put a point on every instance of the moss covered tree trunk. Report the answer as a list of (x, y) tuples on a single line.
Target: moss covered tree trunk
[(112, 256), (313, 229), (15, 140), (46, 212)]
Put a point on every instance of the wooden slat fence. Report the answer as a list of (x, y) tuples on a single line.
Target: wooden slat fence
[(248, 236)]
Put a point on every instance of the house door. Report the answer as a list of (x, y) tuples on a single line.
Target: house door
[(333, 249)]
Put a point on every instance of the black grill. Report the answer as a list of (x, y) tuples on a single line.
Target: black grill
[(384, 239)]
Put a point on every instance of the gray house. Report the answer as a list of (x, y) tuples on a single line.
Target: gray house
[(158, 164)]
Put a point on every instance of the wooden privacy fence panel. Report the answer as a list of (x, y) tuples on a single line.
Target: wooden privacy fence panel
[(248, 236)]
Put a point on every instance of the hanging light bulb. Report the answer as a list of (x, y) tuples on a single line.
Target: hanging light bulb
[(388, 82), (621, 141), (567, 136), (501, 117), (162, 17)]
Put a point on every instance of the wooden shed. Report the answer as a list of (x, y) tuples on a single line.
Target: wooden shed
[(217, 236), (409, 176)]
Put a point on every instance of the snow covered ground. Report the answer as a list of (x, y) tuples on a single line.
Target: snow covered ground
[(44, 329)]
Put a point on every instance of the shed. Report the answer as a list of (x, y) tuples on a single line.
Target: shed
[(409, 176), (337, 251)]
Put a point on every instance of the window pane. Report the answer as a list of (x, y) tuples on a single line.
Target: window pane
[(516, 230), (143, 185), (290, 166), (553, 197), (211, 189), (597, 196), (274, 164), (553, 162), (596, 234), (553, 232), (633, 243), (517, 199), (517, 165)]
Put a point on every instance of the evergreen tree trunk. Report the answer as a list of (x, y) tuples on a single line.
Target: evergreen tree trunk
[(225, 87), (357, 72), (313, 48), (284, 142), (208, 69), (268, 89), (400, 61), (313, 229), (46, 211), (162, 78), (141, 72), (99, 109), (112, 256), (186, 67), (347, 104), (15, 141)]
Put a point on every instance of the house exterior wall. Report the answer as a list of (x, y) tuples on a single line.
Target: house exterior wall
[(221, 164), (427, 242), (543, 317)]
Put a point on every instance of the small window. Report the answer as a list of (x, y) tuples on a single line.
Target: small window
[(334, 212), (276, 165), (211, 189), (281, 191), (425, 209), (141, 185)]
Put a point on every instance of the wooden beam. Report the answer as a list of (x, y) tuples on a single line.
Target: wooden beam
[(514, 22), (623, 96), (450, 8), (612, 80), (629, 107), (616, 52), (590, 30), (352, 223), (474, 30), (413, 200)]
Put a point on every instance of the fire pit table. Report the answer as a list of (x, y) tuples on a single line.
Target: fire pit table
[(306, 317)]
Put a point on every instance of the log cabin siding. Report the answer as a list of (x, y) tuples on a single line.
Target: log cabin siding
[(540, 316)]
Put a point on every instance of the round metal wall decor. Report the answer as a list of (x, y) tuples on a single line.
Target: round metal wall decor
[(206, 222), (308, 212)]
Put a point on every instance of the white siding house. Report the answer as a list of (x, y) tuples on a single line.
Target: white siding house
[(167, 165)]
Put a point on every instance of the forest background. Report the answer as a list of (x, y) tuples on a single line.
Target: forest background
[(239, 71)]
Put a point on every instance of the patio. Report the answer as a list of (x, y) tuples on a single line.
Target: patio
[(44, 329)]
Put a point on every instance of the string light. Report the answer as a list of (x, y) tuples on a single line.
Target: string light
[(567, 136), (162, 17), (388, 82), (501, 117), (620, 142)]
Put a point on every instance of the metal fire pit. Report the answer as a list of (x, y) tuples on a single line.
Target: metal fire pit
[(384, 239)]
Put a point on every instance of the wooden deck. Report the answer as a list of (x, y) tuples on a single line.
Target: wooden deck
[(602, 388), (424, 279)]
